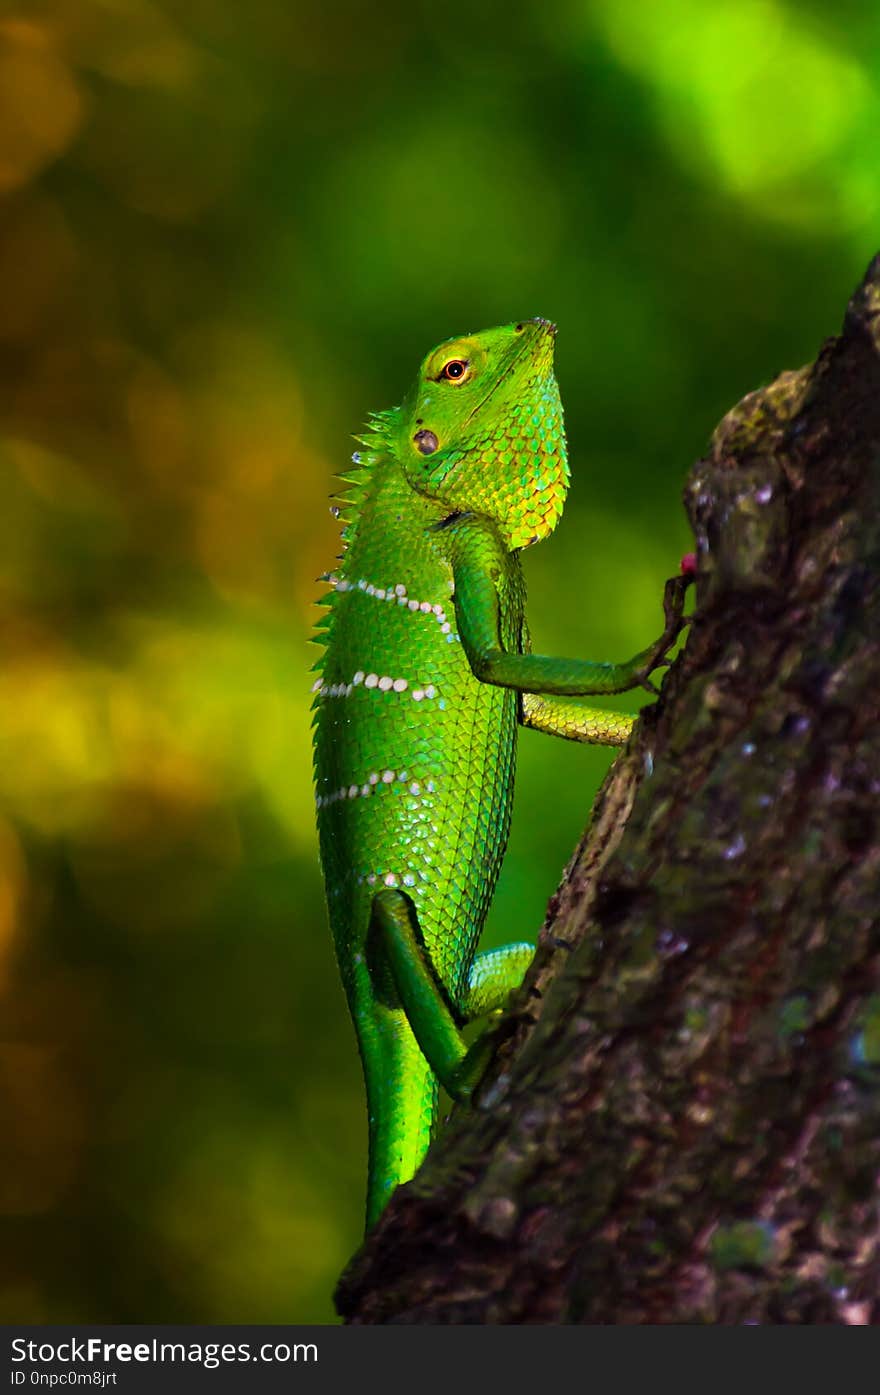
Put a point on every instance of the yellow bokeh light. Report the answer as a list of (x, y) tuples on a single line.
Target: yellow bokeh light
[(13, 884), (41, 105)]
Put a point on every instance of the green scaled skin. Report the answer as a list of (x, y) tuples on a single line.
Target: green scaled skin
[(426, 674)]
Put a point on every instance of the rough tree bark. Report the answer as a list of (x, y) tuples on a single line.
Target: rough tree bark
[(683, 1119)]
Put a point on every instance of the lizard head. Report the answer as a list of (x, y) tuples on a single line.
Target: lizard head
[(481, 430)]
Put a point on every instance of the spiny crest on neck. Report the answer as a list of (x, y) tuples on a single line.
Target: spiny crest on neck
[(375, 440), (348, 504)]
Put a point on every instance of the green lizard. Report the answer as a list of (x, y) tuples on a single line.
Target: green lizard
[(427, 672)]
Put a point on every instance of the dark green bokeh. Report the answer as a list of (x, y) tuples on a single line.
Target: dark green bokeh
[(226, 233)]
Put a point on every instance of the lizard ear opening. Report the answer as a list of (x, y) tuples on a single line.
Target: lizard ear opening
[(426, 442)]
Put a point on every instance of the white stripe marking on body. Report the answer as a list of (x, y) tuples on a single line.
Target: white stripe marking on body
[(373, 783), (383, 683), (399, 593)]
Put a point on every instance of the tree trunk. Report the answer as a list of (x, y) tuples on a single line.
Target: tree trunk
[(682, 1123)]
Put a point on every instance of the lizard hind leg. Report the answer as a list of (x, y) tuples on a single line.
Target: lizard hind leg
[(415, 1038), (493, 977), (394, 933)]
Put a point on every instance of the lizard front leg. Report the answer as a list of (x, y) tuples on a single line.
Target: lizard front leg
[(478, 567), (569, 718)]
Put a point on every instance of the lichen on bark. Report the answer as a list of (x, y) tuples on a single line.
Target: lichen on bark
[(682, 1123)]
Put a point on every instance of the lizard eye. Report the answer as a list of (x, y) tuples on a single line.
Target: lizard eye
[(456, 370)]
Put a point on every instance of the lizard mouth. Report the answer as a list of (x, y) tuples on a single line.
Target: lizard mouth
[(527, 347)]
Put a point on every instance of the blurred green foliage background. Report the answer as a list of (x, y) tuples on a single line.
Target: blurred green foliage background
[(226, 233)]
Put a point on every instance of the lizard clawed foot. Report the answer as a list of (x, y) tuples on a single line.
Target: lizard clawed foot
[(673, 611), (471, 1069)]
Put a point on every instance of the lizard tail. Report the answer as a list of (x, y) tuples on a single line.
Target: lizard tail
[(402, 1104)]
